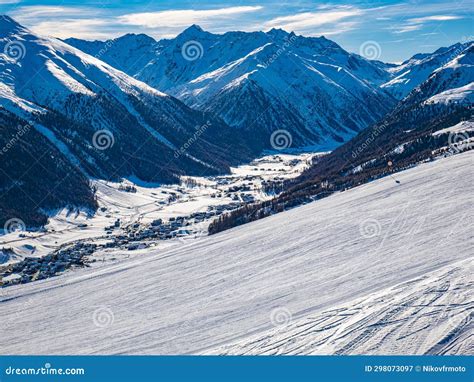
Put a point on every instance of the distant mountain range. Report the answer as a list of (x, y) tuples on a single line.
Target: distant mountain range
[(260, 82), (151, 111)]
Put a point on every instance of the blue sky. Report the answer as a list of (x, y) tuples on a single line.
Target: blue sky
[(401, 28)]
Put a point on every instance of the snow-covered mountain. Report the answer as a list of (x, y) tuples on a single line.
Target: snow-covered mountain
[(102, 121), (240, 88), (444, 99), (418, 68), (403, 138), (451, 83), (260, 82), (129, 53)]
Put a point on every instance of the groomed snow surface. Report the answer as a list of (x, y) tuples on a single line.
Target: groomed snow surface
[(382, 268)]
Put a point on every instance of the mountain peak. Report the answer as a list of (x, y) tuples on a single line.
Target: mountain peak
[(194, 31), (9, 26), (195, 27), (277, 32), (140, 37)]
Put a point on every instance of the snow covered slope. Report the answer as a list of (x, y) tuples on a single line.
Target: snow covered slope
[(237, 284), (417, 69), (430, 314), (450, 83), (262, 82)]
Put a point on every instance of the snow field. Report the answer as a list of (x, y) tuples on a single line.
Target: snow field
[(226, 288)]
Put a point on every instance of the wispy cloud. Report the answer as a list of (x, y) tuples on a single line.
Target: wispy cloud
[(98, 23), (34, 12), (66, 21), (406, 28), (89, 29), (309, 20), (416, 23), (337, 29), (183, 18), (435, 18)]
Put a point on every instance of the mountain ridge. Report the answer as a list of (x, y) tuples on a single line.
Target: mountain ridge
[(249, 56)]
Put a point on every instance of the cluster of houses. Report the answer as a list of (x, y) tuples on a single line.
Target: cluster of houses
[(38, 268), (131, 237)]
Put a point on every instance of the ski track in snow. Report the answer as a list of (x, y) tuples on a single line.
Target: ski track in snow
[(430, 314), (358, 251)]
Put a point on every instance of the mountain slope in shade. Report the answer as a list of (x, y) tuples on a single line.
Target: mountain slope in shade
[(35, 174), (70, 96), (262, 82), (417, 69)]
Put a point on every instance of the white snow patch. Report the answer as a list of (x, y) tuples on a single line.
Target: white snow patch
[(458, 128), (453, 95)]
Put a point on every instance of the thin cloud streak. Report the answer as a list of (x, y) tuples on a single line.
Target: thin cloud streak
[(183, 18), (419, 22), (89, 29), (435, 18), (304, 21)]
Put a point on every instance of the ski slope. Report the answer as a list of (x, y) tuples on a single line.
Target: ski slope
[(430, 314), (358, 250)]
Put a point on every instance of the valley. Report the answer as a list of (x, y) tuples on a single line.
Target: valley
[(134, 218)]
